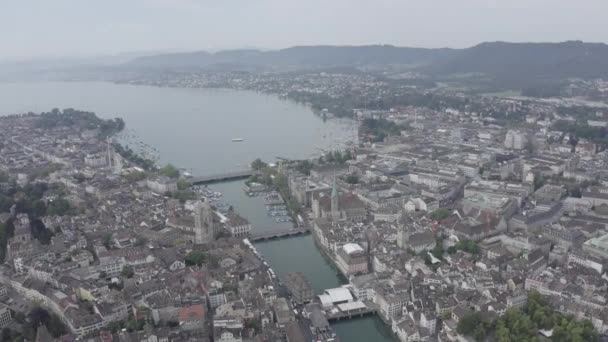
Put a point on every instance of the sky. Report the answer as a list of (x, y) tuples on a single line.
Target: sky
[(31, 29)]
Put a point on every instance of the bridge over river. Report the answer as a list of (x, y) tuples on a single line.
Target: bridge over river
[(278, 234), (220, 177)]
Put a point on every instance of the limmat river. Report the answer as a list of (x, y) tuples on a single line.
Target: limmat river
[(193, 129), (300, 254)]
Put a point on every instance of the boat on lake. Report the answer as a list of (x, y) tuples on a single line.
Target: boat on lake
[(238, 139)]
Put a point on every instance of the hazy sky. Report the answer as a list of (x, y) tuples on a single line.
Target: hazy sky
[(44, 28)]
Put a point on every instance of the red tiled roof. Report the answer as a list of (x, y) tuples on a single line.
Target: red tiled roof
[(192, 313)]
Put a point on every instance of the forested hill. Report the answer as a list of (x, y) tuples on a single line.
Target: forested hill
[(301, 56), (540, 60), (498, 60)]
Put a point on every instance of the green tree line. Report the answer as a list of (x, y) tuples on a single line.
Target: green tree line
[(379, 129), (524, 324)]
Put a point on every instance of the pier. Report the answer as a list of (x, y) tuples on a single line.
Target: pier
[(220, 177), (278, 234)]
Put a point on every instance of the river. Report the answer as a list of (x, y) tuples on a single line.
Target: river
[(300, 254), (193, 129)]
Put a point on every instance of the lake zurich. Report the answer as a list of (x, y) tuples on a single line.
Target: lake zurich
[(192, 128)]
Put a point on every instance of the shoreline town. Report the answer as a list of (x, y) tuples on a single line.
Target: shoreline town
[(446, 224)]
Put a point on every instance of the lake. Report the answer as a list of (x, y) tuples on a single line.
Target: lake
[(192, 128)]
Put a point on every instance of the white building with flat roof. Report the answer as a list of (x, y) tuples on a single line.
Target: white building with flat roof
[(339, 295), (597, 246)]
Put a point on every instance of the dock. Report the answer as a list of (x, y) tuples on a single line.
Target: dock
[(278, 234), (220, 177)]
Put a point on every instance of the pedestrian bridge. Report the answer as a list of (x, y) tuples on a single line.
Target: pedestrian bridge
[(220, 177)]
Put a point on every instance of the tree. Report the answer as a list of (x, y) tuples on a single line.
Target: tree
[(183, 195), (182, 184), (468, 246), (135, 325), (107, 240), (53, 323), (468, 323), (6, 202), (352, 179), (523, 325), (338, 157), (378, 129), (6, 335), (136, 176), (438, 249), (128, 154), (38, 208), (116, 326), (58, 207), (19, 317), (502, 333), (170, 171), (195, 258), (575, 192), (304, 166), (347, 155), (40, 232), (127, 271), (11, 335), (5, 234), (140, 241), (480, 332), (258, 165), (539, 181), (80, 178), (529, 146), (440, 214)]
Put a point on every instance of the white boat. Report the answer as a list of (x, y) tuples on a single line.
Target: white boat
[(238, 139)]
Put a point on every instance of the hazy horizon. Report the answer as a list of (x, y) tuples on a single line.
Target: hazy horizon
[(40, 29)]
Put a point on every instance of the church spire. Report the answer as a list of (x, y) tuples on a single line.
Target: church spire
[(334, 200), (334, 191)]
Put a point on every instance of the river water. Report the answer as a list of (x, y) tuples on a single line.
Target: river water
[(193, 129)]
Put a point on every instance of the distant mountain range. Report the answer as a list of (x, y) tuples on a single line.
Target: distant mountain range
[(543, 60), (499, 60), (299, 56)]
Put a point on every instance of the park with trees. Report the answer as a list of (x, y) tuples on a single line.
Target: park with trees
[(525, 324)]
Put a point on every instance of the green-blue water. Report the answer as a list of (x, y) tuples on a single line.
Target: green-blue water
[(300, 254)]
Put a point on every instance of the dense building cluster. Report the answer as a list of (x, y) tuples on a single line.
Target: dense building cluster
[(459, 214), (122, 259), (449, 209)]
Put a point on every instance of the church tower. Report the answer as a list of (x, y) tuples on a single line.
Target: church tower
[(203, 222), (335, 202)]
